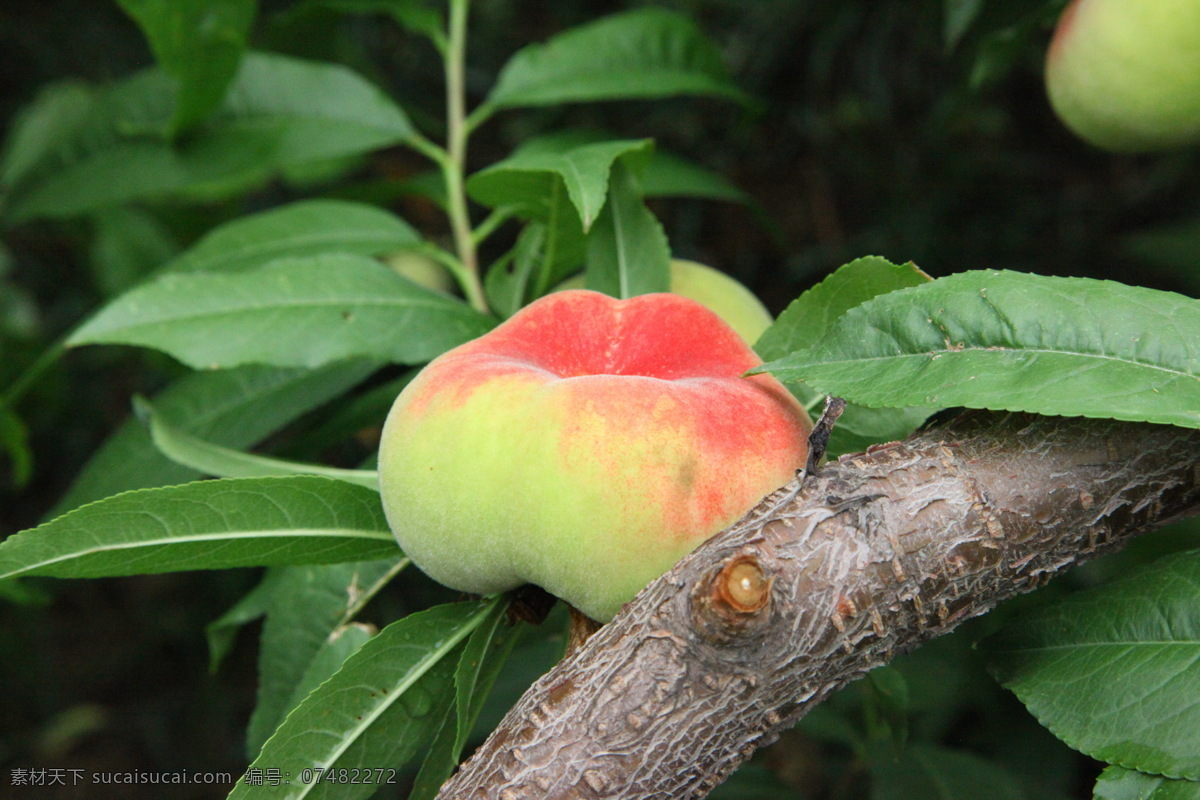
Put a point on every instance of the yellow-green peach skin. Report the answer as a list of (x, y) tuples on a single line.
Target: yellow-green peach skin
[(584, 445), (1125, 74)]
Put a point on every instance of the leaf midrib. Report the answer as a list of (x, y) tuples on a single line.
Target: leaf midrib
[(219, 536), (1106, 644), (432, 657), (926, 354), (244, 252), (265, 119), (299, 304), (563, 75)]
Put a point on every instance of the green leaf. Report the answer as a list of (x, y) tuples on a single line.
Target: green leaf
[(304, 228), (810, 316), (539, 649), (220, 632), (527, 179), (959, 15), (561, 252), (927, 771), (279, 111), (1174, 247), (42, 128), (641, 54), (553, 243), (234, 408), (129, 244), (628, 253), (365, 411), (14, 443), (24, 594), (482, 659), (308, 606), (544, 255), (478, 667), (376, 713), (752, 781), (225, 462), (669, 175), (416, 15), (114, 134), (886, 706), (388, 192), (308, 110), (291, 312), (1005, 340), (808, 319), (20, 318), (238, 522), (1117, 783), (507, 281), (138, 107), (197, 42), (1115, 671), (344, 642), (1007, 41), (662, 174), (130, 171)]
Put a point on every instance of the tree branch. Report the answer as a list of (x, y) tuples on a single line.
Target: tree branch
[(820, 583)]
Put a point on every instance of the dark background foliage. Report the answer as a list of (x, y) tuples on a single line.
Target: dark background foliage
[(872, 135)]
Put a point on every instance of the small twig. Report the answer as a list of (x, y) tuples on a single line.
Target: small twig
[(580, 629), (818, 440)]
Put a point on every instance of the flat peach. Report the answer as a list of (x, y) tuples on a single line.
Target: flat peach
[(584, 445)]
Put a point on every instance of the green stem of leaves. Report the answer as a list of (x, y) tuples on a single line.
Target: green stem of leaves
[(454, 163), (359, 602), (482, 113), (493, 221), (17, 389)]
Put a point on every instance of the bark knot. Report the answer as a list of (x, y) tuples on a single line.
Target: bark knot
[(734, 600), (742, 586)]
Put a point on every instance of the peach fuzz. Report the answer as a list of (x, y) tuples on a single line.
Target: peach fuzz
[(584, 445)]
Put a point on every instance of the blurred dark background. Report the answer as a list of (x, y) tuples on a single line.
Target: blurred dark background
[(880, 129)]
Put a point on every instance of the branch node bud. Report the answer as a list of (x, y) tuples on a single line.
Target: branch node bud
[(742, 586), (732, 602)]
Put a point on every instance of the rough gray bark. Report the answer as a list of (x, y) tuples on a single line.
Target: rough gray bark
[(820, 583)]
